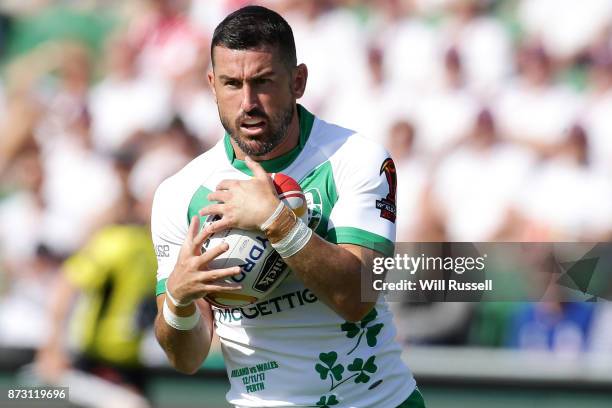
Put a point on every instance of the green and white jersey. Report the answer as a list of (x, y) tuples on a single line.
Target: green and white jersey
[(290, 349)]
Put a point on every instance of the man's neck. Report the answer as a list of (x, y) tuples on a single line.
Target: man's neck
[(290, 142)]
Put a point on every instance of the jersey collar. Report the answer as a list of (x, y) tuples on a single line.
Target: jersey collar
[(280, 163)]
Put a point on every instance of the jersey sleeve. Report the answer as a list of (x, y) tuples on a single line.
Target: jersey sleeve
[(365, 211), (168, 229)]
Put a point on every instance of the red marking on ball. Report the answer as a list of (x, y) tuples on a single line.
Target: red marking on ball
[(285, 184), (290, 192)]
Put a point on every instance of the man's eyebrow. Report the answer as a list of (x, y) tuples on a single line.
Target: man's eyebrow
[(226, 77), (263, 74)]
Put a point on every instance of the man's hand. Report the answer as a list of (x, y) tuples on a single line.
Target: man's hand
[(243, 204), (191, 278)]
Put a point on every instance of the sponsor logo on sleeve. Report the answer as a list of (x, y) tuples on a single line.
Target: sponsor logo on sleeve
[(162, 251), (387, 205)]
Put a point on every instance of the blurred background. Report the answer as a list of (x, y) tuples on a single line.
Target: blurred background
[(498, 114)]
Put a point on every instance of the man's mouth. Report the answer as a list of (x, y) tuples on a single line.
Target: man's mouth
[(252, 126)]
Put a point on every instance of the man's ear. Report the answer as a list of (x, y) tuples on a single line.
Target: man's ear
[(211, 82), (299, 80)]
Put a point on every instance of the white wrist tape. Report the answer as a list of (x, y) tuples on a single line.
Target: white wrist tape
[(178, 322), (295, 240), (175, 302), (273, 217)]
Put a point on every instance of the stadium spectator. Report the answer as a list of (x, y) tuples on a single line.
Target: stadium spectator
[(22, 213), (482, 42), (533, 108), (54, 113), (194, 102), (412, 48), (562, 327), (71, 166), (549, 324), (372, 103), (125, 101), (320, 31), (27, 264), (165, 154), (601, 331), (451, 100), (166, 40), (565, 27), (597, 118), (564, 198), (476, 184)]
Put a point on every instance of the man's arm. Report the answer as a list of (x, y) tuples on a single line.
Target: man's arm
[(186, 349), (332, 272), (191, 280)]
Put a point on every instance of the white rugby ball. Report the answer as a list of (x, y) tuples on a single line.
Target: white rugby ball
[(262, 268)]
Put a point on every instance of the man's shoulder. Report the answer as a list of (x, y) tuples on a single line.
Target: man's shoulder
[(345, 146)]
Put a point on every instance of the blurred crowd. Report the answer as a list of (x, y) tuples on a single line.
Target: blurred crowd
[(498, 114)]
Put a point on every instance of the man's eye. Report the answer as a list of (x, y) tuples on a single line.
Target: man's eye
[(232, 84), (262, 81)]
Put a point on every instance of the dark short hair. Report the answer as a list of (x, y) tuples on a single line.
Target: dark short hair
[(253, 27)]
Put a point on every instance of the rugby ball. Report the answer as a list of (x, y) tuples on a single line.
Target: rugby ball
[(261, 268)]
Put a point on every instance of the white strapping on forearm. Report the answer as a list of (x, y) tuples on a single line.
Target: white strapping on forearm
[(266, 224), (294, 241), (179, 322)]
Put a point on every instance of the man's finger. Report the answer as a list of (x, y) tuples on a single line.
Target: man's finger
[(203, 289), (193, 230), (215, 275), (212, 253), (258, 171), (199, 239), (220, 195), (213, 209), (222, 224), (221, 287), (227, 184)]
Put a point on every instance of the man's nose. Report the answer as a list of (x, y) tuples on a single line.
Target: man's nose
[(250, 99)]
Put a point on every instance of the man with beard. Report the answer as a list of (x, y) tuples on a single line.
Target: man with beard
[(318, 343)]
